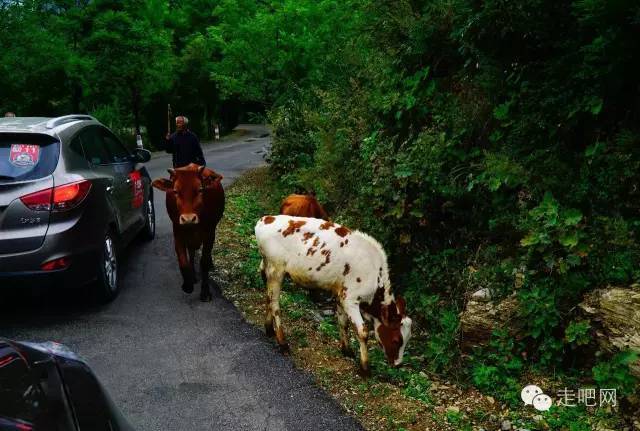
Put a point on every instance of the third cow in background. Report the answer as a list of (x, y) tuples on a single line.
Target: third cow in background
[(303, 206)]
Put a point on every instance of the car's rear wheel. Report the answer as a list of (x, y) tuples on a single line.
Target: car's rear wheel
[(149, 229), (108, 282)]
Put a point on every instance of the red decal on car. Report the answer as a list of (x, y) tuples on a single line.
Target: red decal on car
[(138, 189), (24, 155)]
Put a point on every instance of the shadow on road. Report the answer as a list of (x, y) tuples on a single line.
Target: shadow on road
[(25, 307)]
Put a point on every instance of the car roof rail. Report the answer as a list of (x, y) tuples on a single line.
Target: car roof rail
[(54, 122)]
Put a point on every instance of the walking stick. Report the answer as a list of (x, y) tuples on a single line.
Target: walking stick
[(168, 118)]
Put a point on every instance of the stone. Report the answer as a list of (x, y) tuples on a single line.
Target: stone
[(614, 313), (479, 319), (482, 295), (505, 425)]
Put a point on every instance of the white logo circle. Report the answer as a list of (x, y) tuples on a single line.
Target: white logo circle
[(529, 392), (542, 402)]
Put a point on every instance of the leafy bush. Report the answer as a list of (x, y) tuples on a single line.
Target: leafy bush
[(615, 374), (577, 333), (484, 146), (496, 369)]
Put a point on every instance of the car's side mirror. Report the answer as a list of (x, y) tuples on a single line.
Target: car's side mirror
[(141, 155)]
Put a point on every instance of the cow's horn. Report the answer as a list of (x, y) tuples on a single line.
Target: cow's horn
[(201, 169), (171, 171)]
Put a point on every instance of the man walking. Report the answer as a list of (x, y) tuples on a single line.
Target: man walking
[(184, 145)]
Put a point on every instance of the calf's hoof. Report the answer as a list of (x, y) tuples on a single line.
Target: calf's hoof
[(268, 329), (284, 348), (348, 352), (215, 286), (364, 372), (187, 287)]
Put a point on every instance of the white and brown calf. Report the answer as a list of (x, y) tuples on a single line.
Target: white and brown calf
[(320, 254)]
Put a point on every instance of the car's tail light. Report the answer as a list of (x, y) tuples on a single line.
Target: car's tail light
[(38, 201), (70, 195), (60, 263), (60, 198)]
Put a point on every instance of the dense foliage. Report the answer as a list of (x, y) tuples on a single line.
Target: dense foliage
[(122, 61)]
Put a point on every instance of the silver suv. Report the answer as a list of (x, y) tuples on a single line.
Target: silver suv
[(71, 196)]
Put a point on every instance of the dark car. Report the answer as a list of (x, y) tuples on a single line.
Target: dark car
[(46, 387), (71, 196)]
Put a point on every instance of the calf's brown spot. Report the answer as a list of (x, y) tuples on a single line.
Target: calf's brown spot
[(327, 259), (347, 268), (294, 226), (326, 225), (342, 231), (269, 219), (307, 236)]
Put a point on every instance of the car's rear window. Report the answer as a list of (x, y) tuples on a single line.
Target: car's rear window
[(27, 156)]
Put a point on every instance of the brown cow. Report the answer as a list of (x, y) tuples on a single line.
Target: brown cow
[(195, 203), (303, 206)]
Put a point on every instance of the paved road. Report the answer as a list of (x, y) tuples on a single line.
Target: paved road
[(170, 361)]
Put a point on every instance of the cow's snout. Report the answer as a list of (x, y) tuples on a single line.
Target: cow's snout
[(188, 219)]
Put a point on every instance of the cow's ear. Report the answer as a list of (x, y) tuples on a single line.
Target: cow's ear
[(384, 314), (162, 184), (209, 176), (402, 305)]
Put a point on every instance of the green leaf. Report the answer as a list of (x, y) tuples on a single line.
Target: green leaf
[(596, 106), (501, 112), (593, 150), (416, 213), (529, 240), (572, 217), (573, 260), (403, 173), (569, 239)]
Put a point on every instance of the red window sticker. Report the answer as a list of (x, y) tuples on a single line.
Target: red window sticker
[(24, 155), (138, 189)]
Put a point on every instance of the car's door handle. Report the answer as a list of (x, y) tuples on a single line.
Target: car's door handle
[(109, 189), (128, 181)]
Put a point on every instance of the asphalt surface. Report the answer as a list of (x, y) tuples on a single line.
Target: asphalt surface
[(169, 361)]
